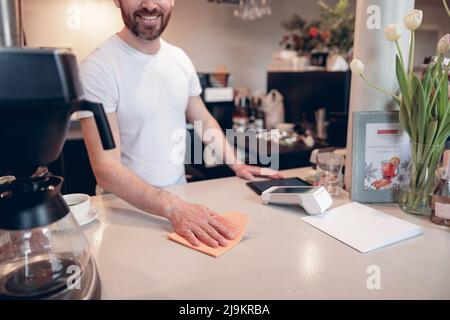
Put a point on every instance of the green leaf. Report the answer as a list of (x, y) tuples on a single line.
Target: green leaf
[(404, 119), (415, 112), (444, 134), (443, 95), (427, 83), (440, 97), (431, 131), (403, 83), (420, 112)]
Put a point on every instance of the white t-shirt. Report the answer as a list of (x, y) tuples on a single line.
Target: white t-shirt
[(150, 95)]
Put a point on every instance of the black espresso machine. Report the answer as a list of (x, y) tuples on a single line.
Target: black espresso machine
[(43, 252)]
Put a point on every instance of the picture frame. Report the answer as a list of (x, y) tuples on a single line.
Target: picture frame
[(381, 157)]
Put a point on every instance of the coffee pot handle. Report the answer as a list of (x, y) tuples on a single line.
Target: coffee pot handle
[(102, 123)]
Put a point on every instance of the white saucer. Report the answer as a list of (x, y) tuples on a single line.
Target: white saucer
[(92, 215)]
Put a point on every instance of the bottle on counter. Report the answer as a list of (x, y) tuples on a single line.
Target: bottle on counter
[(260, 115), (240, 116), (251, 107), (441, 198)]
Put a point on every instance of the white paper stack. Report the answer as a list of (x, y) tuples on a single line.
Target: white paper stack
[(363, 228)]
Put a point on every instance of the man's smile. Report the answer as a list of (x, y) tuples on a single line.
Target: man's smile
[(149, 19)]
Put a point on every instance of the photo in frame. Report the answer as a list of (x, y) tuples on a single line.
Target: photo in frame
[(381, 157)]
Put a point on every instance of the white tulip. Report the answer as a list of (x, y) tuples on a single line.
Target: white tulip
[(444, 44), (357, 67), (393, 32), (413, 19)]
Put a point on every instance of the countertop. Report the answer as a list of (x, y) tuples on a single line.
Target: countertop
[(280, 257)]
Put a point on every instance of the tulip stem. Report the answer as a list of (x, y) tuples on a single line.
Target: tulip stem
[(400, 53), (411, 54), (397, 98), (446, 7)]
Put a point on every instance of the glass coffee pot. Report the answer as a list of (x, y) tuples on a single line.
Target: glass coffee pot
[(41, 255)]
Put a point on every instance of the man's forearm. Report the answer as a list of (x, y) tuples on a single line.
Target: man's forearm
[(194, 222), (116, 178)]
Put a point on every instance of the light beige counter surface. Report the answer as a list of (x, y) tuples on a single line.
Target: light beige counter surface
[(280, 257)]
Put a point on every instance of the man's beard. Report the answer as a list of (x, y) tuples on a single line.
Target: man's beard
[(134, 23)]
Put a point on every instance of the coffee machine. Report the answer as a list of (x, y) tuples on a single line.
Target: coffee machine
[(43, 252)]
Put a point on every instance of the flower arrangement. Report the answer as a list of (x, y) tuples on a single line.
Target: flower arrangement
[(340, 25), (333, 31), (424, 111), (304, 36)]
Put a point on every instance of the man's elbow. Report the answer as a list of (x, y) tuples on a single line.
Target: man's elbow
[(104, 173)]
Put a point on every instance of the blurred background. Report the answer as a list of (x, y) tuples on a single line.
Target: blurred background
[(263, 64)]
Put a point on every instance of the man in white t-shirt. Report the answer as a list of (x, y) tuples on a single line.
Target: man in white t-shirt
[(149, 89)]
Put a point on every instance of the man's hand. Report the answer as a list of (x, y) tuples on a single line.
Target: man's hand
[(198, 223), (251, 172)]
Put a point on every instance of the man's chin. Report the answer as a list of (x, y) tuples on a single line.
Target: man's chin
[(149, 35)]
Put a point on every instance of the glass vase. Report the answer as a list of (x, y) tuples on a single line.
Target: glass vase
[(416, 194)]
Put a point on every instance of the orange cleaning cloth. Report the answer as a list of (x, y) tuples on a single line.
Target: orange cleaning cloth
[(236, 222)]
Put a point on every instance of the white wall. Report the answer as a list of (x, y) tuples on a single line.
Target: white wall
[(207, 32), (212, 36), (46, 24)]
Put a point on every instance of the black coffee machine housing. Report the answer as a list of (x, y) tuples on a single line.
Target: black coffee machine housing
[(39, 90)]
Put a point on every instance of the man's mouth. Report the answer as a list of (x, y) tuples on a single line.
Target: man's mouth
[(149, 18)]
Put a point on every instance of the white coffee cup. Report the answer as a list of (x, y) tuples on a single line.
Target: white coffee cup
[(79, 204)]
